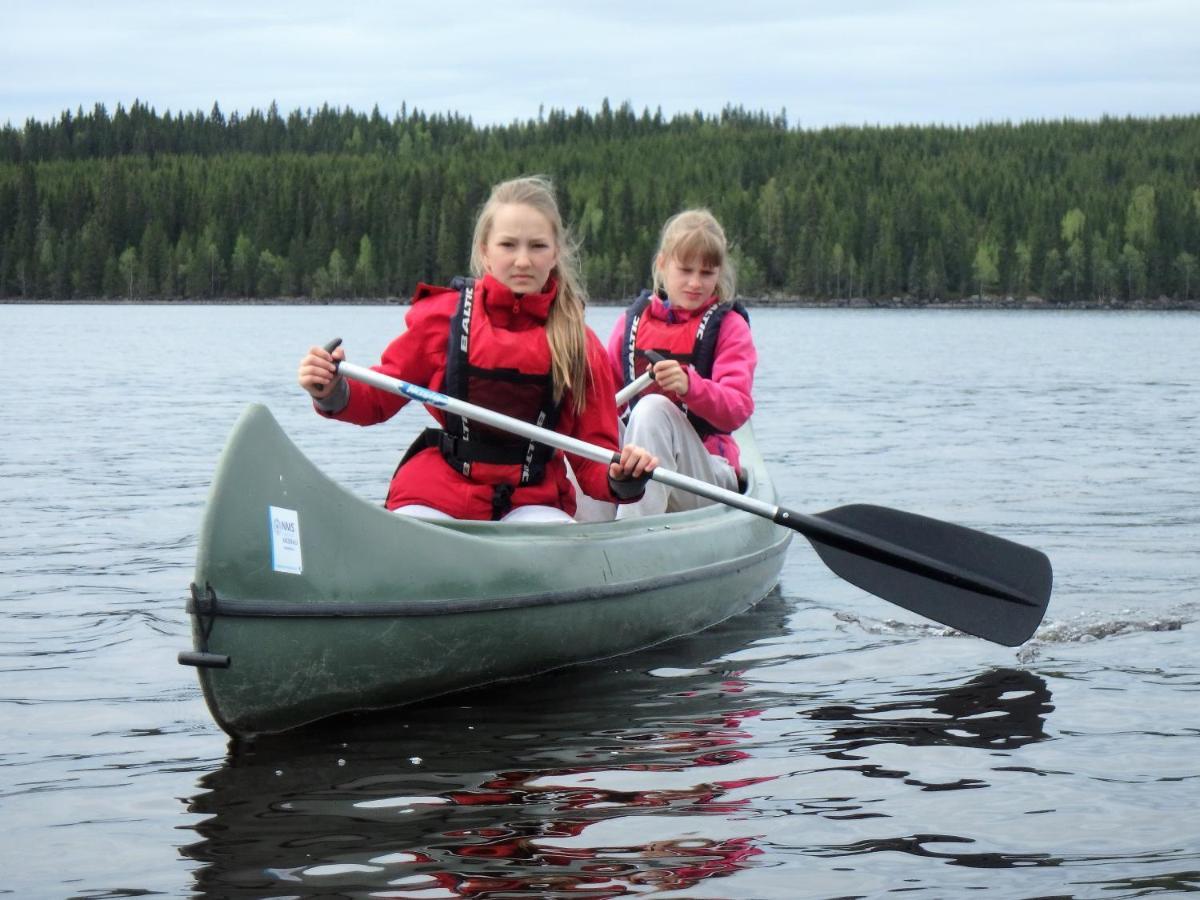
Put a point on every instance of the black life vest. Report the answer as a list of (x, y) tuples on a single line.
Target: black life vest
[(698, 350), (528, 396)]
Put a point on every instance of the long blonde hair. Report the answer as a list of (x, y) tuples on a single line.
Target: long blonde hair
[(565, 327), (695, 234)]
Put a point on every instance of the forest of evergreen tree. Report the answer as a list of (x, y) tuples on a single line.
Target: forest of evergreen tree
[(335, 203)]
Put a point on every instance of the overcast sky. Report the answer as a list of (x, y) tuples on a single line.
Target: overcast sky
[(827, 62)]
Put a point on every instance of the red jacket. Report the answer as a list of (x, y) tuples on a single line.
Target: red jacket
[(418, 356)]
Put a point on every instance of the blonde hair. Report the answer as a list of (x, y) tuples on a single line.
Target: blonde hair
[(695, 234), (566, 330)]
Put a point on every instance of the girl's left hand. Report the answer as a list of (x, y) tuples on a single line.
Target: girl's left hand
[(671, 377), (636, 462)]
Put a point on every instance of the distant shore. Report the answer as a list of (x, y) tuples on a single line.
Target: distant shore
[(770, 302)]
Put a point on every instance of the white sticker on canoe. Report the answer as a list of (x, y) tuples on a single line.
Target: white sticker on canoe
[(285, 540)]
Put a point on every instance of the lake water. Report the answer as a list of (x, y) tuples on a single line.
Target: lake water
[(825, 744)]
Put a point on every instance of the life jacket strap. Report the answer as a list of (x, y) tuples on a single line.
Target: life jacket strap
[(501, 500), (467, 451), (463, 444)]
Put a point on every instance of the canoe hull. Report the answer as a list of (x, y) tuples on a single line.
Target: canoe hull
[(368, 609)]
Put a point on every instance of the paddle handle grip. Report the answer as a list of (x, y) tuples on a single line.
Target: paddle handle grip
[(642, 382)]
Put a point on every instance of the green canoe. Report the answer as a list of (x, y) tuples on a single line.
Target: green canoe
[(309, 601)]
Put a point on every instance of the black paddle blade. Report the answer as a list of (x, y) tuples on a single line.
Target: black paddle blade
[(978, 583)]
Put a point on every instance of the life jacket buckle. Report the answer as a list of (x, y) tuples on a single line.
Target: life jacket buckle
[(501, 500)]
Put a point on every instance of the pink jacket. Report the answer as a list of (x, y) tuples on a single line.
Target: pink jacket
[(726, 399)]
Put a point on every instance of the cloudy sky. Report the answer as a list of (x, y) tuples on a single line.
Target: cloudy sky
[(826, 62)]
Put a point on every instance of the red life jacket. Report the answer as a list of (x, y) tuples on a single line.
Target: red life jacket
[(504, 371), (695, 347)]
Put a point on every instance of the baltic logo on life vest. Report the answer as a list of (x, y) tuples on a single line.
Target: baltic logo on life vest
[(468, 303), (285, 540)]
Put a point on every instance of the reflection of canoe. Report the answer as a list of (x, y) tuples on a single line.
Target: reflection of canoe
[(584, 748), (309, 601)]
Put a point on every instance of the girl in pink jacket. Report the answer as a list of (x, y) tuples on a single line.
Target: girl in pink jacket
[(702, 389)]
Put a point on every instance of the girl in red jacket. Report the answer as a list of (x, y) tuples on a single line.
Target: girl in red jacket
[(702, 390), (512, 339)]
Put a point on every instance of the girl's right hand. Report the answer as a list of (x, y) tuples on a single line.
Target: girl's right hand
[(671, 377), (318, 371)]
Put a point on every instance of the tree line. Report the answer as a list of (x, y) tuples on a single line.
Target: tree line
[(334, 203)]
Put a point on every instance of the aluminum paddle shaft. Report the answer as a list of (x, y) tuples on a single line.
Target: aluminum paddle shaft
[(984, 585)]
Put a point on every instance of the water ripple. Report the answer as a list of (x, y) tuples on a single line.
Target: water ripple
[(825, 744)]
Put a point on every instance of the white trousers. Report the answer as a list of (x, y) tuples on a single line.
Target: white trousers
[(520, 514), (661, 427)]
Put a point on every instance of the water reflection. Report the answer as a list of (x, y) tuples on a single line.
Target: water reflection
[(588, 782), (1000, 710), (602, 781), (924, 845)]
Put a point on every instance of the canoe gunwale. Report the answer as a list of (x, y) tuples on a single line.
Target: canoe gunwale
[(213, 606)]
